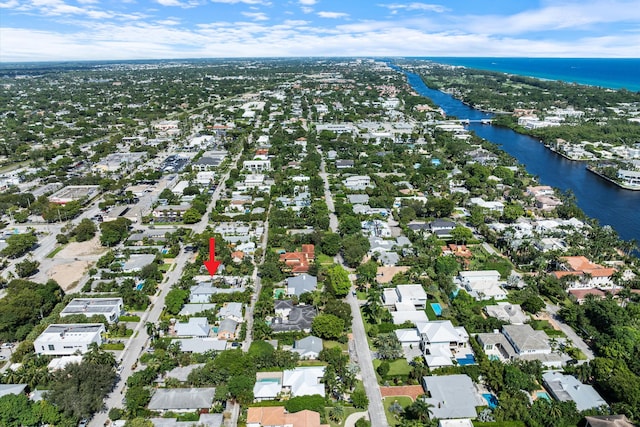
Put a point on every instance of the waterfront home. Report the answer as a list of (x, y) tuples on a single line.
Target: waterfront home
[(629, 178), (585, 273)]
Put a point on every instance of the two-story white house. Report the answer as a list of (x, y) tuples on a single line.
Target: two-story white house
[(65, 340)]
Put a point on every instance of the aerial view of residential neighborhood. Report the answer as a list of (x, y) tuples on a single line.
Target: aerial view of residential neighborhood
[(310, 243)]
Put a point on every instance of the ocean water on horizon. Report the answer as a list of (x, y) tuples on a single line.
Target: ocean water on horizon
[(614, 73)]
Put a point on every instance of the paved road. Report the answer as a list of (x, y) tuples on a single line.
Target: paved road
[(376, 409), (363, 353), (257, 284), (328, 198), (135, 346), (568, 330)]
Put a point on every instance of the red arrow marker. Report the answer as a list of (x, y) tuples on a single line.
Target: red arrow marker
[(212, 265)]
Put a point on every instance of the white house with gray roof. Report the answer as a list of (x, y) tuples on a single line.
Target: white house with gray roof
[(482, 284), (303, 381), (567, 388), (182, 399), (66, 339), (411, 293), (308, 347), (298, 285), (194, 327), (201, 345), (526, 340), (507, 312), (231, 310), (452, 396), (137, 262), (110, 308)]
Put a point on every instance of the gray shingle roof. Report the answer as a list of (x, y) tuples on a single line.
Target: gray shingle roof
[(182, 398)]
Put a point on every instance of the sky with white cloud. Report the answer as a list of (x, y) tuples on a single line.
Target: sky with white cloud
[(52, 30)]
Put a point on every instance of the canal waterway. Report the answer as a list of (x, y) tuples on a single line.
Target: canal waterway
[(598, 198)]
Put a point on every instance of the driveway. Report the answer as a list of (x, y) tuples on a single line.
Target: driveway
[(568, 331)]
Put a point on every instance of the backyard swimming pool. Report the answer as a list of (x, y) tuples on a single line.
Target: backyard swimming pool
[(437, 308), (468, 359), (543, 395), (492, 401)]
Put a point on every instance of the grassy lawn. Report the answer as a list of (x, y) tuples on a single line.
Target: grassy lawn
[(404, 401), (576, 353), (324, 259), (500, 424), (332, 344), (544, 325), (398, 367), (55, 251), (431, 315), (311, 363), (348, 410), (361, 295), (112, 346)]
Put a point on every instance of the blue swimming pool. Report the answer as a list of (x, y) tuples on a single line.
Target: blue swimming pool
[(492, 401), (543, 395), (468, 359), (139, 286), (437, 308)]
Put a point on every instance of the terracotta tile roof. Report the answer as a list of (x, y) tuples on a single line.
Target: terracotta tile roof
[(266, 416), (580, 265), (299, 261), (276, 416)]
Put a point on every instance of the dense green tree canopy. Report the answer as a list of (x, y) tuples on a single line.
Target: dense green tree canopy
[(327, 326)]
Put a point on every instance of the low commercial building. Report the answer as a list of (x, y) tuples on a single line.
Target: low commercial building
[(72, 193)]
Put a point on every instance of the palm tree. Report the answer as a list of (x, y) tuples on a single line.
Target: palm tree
[(373, 307), (420, 409), (174, 349), (336, 413), (584, 372), (152, 331), (98, 356), (555, 411), (395, 408)]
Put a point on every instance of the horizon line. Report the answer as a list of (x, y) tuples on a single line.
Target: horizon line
[(244, 58)]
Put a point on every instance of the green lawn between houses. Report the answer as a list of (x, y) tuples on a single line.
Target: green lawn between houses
[(404, 401)]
